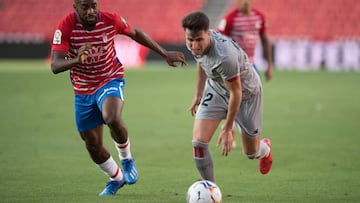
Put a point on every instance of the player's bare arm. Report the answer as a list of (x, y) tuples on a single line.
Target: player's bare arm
[(225, 137), (268, 55), (199, 90), (60, 62), (171, 57)]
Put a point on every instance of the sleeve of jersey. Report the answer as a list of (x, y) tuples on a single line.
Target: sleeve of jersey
[(61, 37), (122, 26), (229, 69), (221, 26), (225, 24)]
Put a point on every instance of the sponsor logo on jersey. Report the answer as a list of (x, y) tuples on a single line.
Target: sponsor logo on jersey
[(57, 37)]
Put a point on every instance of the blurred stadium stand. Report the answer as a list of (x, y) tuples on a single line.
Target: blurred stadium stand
[(306, 34), (311, 35), (35, 20)]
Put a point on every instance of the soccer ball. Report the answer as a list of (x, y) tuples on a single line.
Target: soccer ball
[(203, 191)]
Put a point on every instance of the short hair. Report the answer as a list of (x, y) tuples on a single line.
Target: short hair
[(196, 21)]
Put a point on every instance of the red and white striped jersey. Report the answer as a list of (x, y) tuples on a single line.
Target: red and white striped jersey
[(244, 29), (102, 65)]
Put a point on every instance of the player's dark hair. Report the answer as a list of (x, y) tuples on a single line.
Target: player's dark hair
[(196, 21)]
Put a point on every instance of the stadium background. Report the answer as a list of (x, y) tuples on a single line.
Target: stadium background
[(306, 34), (312, 117)]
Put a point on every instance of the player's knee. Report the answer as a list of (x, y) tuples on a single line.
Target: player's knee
[(110, 119), (114, 123)]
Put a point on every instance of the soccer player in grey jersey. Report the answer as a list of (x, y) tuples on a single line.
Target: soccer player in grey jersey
[(227, 88)]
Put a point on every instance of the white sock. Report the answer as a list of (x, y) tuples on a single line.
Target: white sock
[(111, 169), (124, 150), (264, 150)]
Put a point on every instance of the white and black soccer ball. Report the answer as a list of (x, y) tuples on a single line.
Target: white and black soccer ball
[(203, 191)]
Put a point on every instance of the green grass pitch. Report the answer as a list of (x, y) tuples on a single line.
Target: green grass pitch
[(312, 118)]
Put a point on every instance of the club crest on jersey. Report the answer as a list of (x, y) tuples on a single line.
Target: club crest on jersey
[(104, 37), (57, 37)]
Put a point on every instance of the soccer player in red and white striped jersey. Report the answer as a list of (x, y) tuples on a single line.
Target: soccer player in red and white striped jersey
[(83, 43), (246, 25)]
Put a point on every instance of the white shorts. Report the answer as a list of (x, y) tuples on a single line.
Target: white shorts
[(214, 105)]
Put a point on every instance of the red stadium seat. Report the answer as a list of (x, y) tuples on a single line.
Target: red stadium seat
[(321, 19)]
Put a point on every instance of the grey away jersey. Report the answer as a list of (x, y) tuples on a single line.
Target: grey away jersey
[(224, 61)]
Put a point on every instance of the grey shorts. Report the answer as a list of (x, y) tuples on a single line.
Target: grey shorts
[(214, 105)]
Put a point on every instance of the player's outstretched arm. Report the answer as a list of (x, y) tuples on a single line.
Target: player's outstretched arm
[(225, 138), (171, 57)]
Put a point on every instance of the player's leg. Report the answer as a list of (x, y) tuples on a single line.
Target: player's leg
[(202, 134), (90, 125), (257, 148), (94, 144), (250, 120), (210, 112), (102, 158), (111, 101)]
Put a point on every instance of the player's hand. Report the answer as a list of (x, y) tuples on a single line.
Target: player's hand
[(225, 139), (194, 104), (268, 73), (173, 56), (84, 52)]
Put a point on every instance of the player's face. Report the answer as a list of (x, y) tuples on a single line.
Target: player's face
[(197, 42), (88, 11), (244, 5)]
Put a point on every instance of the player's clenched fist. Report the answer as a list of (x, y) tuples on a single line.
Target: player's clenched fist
[(84, 52)]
